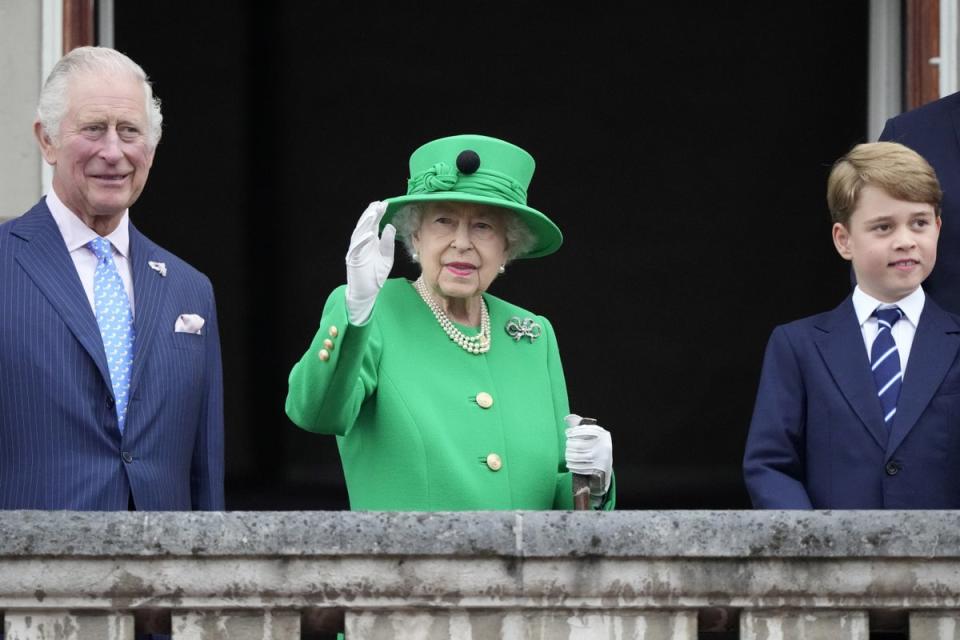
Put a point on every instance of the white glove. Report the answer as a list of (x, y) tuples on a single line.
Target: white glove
[(590, 453), (369, 260)]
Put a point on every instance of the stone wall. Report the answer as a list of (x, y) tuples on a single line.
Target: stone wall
[(631, 574)]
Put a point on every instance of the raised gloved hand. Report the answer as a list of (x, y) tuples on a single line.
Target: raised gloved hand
[(369, 260), (590, 453)]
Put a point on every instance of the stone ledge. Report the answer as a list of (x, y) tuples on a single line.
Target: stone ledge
[(479, 534)]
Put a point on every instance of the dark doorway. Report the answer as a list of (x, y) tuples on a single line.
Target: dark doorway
[(682, 148)]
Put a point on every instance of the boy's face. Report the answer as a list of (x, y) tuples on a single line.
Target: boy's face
[(892, 243)]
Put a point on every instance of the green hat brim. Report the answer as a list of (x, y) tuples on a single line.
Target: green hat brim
[(549, 237)]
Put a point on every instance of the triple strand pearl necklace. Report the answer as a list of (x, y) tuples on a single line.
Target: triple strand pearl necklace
[(477, 344)]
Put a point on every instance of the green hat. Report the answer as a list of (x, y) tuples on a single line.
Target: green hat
[(479, 169)]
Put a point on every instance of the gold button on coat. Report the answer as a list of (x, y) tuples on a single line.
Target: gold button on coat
[(333, 331), (485, 400), (328, 344), (324, 355), (494, 462)]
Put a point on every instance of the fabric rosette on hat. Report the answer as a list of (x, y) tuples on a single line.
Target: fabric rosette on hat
[(481, 170)]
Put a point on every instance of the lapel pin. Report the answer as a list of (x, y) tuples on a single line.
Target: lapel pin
[(159, 267)]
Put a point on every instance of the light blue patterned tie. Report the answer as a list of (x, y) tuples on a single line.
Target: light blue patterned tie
[(885, 362), (116, 323)]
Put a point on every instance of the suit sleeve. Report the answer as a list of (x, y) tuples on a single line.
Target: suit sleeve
[(773, 464), (207, 468), (325, 395), (563, 495)]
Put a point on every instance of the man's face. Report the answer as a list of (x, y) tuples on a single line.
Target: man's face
[(102, 159), (892, 243)]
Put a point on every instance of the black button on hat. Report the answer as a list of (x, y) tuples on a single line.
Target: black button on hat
[(468, 161)]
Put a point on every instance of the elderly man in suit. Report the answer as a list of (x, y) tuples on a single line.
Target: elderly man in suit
[(112, 386), (933, 131)]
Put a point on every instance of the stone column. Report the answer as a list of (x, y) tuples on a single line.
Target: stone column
[(21, 67)]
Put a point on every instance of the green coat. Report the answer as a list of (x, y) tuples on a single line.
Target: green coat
[(401, 398)]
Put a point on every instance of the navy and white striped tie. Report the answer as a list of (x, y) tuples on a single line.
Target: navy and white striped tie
[(885, 362)]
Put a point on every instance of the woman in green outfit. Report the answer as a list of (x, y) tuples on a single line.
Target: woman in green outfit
[(442, 396)]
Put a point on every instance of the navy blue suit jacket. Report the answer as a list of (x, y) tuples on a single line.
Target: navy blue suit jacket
[(818, 440), (60, 447), (933, 131)]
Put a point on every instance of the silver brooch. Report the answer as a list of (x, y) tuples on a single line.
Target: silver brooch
[(159, 267), (526, 328)]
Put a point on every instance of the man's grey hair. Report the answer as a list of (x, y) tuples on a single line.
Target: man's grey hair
[(54, 96), (520, 239)]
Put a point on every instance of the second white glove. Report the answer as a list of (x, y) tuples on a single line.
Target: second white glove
[(589, 450), (369, 260)]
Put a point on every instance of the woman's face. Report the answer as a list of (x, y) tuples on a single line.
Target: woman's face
[(461, 247)]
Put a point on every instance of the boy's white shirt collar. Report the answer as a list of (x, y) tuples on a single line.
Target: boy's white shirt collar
[(912, 305)]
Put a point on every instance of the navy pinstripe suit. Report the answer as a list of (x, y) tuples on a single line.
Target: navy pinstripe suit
[(60, 447)]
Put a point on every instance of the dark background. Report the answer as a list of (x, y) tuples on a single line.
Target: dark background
[(682, 148)]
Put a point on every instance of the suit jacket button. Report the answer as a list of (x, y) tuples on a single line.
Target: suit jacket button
[(324, 355), (494, 462), (126, 457), (892, 468), (110, 403)]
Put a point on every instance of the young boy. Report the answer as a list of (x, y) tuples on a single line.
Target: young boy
[(859, 407)]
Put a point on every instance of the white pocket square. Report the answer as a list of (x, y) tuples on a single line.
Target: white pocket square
[(189, 323)]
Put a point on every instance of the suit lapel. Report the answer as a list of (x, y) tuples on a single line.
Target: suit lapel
[(148, 291), (933, 351), (842, 349), (45, 259)]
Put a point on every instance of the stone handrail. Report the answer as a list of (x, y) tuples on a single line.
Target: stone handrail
[(520, 574)]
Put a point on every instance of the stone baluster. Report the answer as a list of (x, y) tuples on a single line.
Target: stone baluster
[(935, 625), (65, 625), (532, 624), (248, 624), (810, 624)]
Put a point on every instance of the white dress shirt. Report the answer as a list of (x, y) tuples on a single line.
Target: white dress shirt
[(76, 235), (903, 331)]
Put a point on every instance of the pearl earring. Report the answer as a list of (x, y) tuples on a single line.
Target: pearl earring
[(415, 256), (502, 269)]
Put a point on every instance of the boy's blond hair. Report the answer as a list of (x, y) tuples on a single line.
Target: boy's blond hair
[(900, 171)]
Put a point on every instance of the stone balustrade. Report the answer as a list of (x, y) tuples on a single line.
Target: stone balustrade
[(475, 575)]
